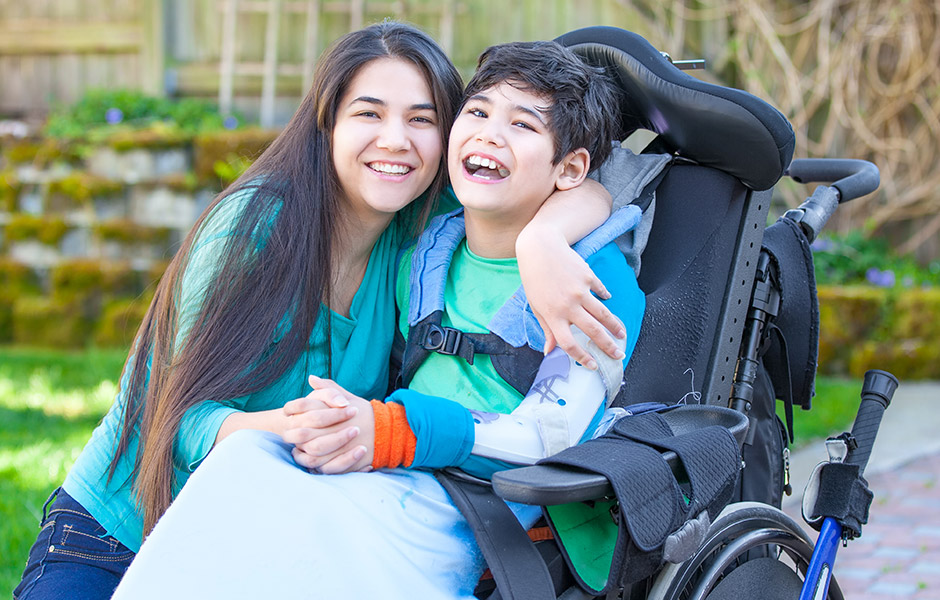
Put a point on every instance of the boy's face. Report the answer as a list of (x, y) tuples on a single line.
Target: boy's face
[(500, 154)]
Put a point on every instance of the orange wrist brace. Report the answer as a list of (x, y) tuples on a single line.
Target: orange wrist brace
[(394, 440)]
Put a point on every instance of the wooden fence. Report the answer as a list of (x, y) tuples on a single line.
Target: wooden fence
[(53, 50)]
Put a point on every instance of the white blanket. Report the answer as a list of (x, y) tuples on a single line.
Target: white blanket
[(251, 524)]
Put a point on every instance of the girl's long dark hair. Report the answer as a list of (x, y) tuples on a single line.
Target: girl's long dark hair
[(277, 262)]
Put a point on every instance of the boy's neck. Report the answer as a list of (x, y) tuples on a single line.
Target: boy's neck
[(492, 237)]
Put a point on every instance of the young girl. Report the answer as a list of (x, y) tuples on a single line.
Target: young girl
[(290, 272)]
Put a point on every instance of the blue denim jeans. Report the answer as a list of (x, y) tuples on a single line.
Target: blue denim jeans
[(73, 557)]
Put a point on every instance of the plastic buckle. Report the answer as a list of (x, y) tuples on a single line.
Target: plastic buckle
[(444, 340)]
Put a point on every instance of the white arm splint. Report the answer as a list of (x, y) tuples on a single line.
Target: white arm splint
[(557, 410)]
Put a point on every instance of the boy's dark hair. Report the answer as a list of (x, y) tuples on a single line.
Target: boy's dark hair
[(584, 111)]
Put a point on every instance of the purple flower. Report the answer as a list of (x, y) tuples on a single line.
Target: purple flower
[(880, 278), (230, 122), (887, 278), (113, 116), (822, 245)]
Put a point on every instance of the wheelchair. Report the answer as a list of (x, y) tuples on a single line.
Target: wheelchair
[(731, 322)]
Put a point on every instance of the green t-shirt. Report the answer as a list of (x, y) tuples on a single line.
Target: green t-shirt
[(360, 345), (476, 289)]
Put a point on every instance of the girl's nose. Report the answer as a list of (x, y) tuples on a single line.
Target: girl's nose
[(393, 136)]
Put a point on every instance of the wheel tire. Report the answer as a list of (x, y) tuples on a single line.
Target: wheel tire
[(745, 532)]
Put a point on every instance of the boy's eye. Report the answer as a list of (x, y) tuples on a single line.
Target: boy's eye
[(523, 125), (427, 120)]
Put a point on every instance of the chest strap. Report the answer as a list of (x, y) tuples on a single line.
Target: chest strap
[(517, 366)]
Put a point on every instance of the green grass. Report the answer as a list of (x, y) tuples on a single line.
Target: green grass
[(834, 408), (49, 404)]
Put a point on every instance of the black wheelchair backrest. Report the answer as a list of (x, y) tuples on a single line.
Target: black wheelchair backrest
[(698, 267), (714, 126)]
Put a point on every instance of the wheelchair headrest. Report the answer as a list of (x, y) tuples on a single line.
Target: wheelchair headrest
[(715, 126)]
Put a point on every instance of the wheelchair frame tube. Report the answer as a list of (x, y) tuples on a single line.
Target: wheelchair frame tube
[(819, 571)]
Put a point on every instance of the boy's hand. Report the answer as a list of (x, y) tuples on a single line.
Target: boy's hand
[(558, 285), (333, 431)]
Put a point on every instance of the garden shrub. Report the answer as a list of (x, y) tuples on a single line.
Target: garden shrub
[(219, 147), (119, 321), (101, 113), (886, 328), (906, 359), (917, 314), (9, 190), (83, 279), (6, 317), (48, 230), (847, 315), (128, 232), (46, 322), (80, 187), (17, 279)]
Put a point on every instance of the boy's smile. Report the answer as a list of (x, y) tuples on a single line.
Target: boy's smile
[(480, 166)]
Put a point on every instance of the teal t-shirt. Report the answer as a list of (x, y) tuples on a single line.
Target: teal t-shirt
[(360, 345), (476, 289), (445, 388)]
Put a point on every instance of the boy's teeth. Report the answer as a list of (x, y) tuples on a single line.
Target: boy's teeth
[(503, 172), (487, 163)]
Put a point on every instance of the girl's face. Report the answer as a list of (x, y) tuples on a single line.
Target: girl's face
[(386, 143)]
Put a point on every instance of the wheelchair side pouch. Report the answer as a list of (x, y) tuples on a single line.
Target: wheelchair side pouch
[(658, 515)]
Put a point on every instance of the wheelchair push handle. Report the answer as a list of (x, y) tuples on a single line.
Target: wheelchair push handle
[(877, 391), (852, 178)]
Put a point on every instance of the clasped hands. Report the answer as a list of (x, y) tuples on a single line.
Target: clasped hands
[(332, 430)]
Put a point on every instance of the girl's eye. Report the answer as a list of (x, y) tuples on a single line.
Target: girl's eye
[(367, 113), (476, 112), (427, 120)]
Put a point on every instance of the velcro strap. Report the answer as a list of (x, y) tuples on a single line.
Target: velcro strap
[(844, 496), (651, 504)]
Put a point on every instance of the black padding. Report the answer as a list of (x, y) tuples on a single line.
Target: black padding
[(762, 479), (719, 127), (686, 270), (798, 316), (651, 503)]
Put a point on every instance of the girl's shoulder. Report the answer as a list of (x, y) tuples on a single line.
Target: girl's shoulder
[(225, 217)]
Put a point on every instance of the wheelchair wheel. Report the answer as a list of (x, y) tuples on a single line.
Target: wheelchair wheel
[(752, 550)]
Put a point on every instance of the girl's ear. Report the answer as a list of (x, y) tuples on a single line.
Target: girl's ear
[(573, 169)]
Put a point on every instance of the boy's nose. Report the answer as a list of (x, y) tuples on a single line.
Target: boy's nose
[(490, 134)]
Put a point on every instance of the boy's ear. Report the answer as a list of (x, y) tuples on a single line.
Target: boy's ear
[(573, 169)]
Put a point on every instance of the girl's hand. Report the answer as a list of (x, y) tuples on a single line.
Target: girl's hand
[(333, 431), (558, 285)]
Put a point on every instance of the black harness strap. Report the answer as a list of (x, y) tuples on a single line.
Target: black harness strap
[(517, 366), (517, 566)]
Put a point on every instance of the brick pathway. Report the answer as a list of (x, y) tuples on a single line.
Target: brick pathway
[(898, 554)]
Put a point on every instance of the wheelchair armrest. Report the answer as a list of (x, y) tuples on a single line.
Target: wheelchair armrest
[(547, 485)]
